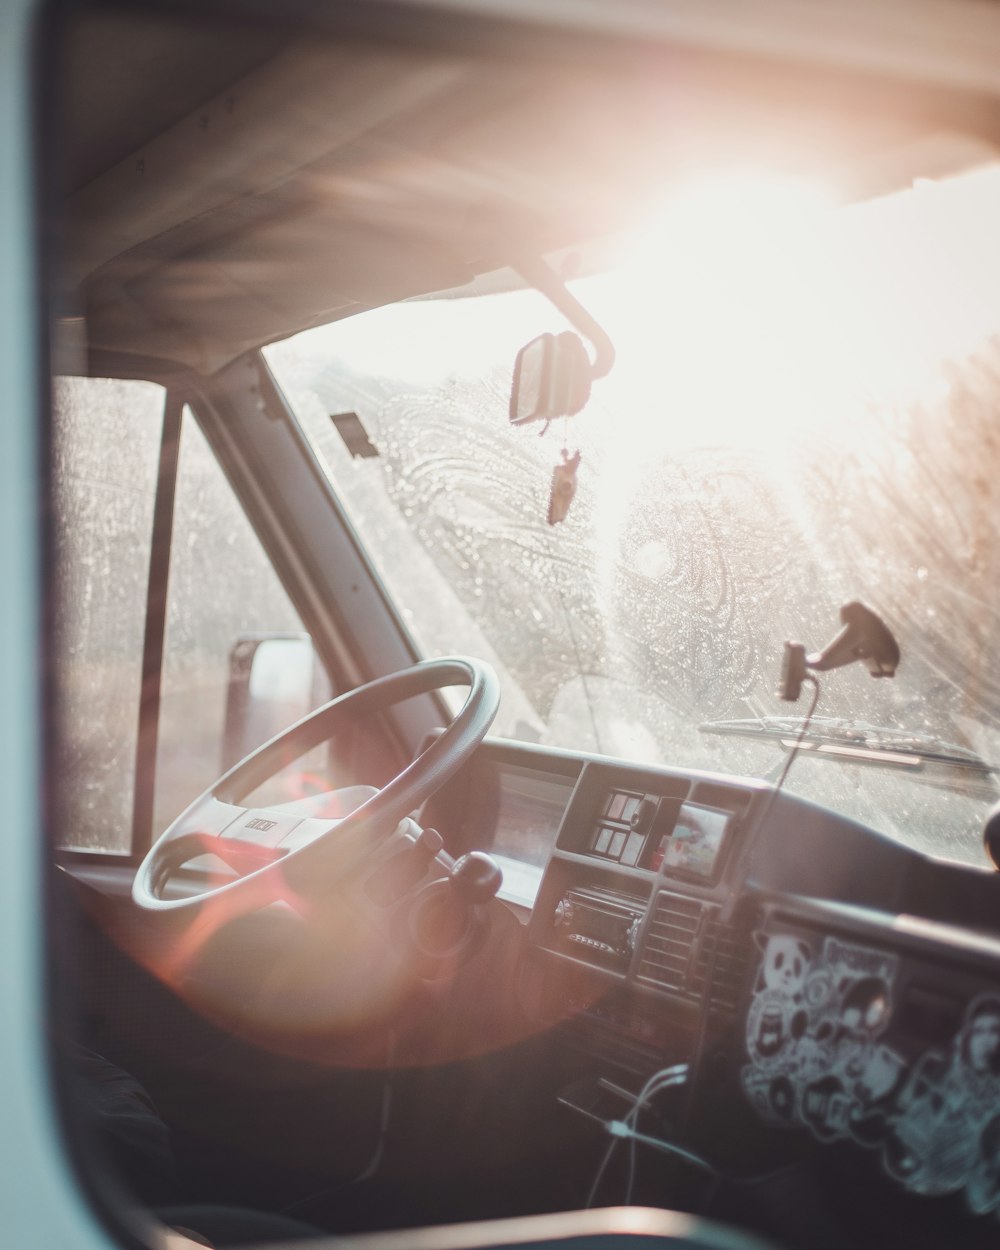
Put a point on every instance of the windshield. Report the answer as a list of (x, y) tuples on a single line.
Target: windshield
[(802, 412)]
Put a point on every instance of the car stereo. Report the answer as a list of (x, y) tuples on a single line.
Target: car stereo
[(602, 925)]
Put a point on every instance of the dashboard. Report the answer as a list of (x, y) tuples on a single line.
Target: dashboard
[(828, 989)]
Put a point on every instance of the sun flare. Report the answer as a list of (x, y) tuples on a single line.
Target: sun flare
[(751, 307), (748, 309)]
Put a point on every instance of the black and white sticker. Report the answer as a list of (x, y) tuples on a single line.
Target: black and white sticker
[(818, 1059)]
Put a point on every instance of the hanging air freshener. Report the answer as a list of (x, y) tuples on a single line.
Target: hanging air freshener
[(563, 486)]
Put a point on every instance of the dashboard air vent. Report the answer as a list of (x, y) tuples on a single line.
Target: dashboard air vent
[(730, 964), (670, 939), (683, 940)]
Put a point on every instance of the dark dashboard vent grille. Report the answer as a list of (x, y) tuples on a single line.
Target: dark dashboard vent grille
[(678, 950), (670, 939), (730, 965)]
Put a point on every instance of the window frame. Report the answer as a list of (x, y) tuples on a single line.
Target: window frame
[(288, 500)]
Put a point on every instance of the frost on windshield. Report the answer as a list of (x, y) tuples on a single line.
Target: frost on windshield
[(711, 524)]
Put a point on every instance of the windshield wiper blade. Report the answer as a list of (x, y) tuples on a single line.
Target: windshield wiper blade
[(838, 738)]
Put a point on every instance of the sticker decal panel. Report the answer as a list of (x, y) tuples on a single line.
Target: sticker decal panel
[(818, 1058)]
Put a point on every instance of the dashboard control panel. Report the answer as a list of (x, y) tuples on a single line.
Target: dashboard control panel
[(820, 980), (660, 832)]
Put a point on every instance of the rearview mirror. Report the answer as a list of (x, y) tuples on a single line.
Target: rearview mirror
[(551, 378)]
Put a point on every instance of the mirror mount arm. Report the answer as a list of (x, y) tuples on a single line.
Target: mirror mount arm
[(537, 272)]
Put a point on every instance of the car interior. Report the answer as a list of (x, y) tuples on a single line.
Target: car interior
[(469, 429)]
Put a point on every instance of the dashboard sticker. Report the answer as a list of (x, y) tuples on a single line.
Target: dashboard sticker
[(945, 1131), (818, 1059), (813, 1036)]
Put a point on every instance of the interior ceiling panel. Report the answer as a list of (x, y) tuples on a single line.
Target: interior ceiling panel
[(310, 180), (126, 79), (250, 139)]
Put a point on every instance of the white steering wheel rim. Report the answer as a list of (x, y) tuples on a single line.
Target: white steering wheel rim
[(217, 814)]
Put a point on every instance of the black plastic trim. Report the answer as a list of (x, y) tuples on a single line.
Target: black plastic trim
[(156, 623)]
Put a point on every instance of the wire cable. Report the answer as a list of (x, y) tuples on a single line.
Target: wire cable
[(665, 1078), (753, 834), (807, 720), (678, 1074), (629, 1129)]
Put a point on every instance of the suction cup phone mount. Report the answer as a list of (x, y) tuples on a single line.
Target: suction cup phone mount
[(864, 636)]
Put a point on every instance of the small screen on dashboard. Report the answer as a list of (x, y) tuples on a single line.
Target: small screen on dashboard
[(696, 840), (520, 807), (530, 807)]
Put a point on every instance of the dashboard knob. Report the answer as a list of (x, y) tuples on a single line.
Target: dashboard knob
[(563, 914), (643, 815), (476, 877)]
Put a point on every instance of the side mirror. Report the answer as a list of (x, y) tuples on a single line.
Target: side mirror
[(274, 680), (551, 378)]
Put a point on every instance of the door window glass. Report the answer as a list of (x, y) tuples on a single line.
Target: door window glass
[(223, 598), (105, 447)]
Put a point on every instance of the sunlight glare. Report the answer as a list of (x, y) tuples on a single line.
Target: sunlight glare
[(752, 308), (755, 315), (719, 306), (732, 213)]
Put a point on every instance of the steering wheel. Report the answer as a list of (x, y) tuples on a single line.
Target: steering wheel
[(282, 854)]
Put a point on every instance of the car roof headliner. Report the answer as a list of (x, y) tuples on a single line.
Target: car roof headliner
[(221, 187)]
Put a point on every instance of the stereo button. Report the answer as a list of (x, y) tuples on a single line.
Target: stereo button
[(563, 915)]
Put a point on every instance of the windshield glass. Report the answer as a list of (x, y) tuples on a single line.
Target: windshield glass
[(802, 413)]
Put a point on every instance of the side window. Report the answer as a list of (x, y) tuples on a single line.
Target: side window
[(106, 441), (237, 664), (223, 597)]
